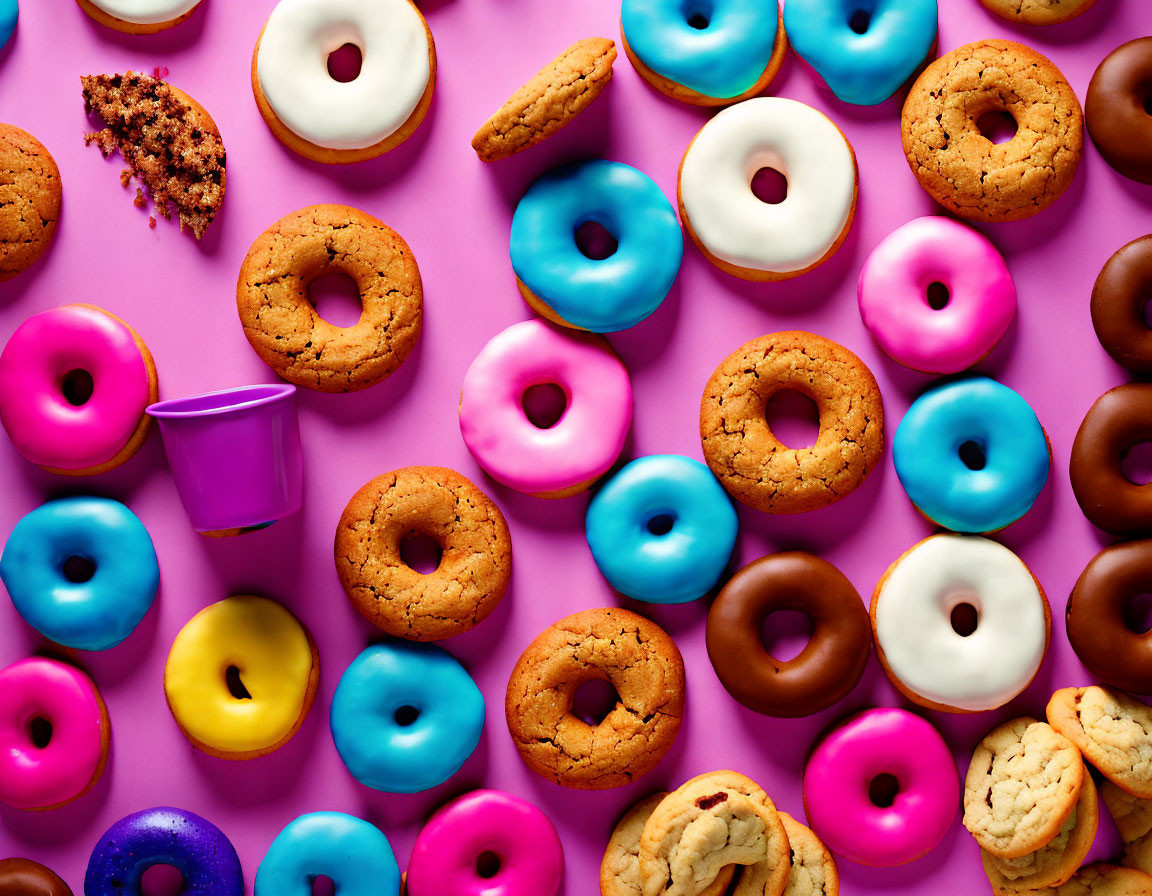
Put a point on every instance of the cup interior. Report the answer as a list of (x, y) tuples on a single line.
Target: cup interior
[(224, 401)]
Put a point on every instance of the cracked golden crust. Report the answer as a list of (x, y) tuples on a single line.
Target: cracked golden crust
[(1101, 879), (1132, 815), (633, 654), (813, 871), (1038, 12), (1112, 730), (751, 463), (961, 168), (29, 200), (1023, 783), (474, 568), (281, 323), (555, 95), (1138, 854)]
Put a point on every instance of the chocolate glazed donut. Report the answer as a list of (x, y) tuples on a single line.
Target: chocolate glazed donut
[(1097, 629), (1120, 419), (830, 664), (23, 877), (1118, 299), (1118, 109)]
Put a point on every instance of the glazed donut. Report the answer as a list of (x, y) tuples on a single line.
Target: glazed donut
[(23, 877), (662, 529), (757, 468), (349, 851), (336, 122), (1120, 419), (139, 16), (565, 286), (757, 240), (971, 455), (931, 656), (81, 571), (486, 843), (54, 735), (579, 448), (9, 13), (164, 836), (881, 744), (864, 52), (405, 717), (240, 677), (74, 383), (1118, 301), (831, 663), (1116, 109), (926, 259)]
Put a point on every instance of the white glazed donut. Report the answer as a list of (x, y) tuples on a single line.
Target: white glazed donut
[(926, 658), (369, 113), (139, 12), (744, 235)]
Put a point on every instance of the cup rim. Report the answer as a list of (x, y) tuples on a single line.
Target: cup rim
[(171, 408)]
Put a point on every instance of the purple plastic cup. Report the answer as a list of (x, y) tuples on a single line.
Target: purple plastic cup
[(234, 455)]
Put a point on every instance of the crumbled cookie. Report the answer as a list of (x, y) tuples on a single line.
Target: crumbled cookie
[(1112, 730), (1022, 784), (1132, 815), (1038, 12), (29, 200), (1101, 879), (813, 871)]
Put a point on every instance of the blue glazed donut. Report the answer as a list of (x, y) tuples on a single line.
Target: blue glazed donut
[(38, 570), (353, 853), (567, 287), (9, 13), (712, 50), (405, 717), (164, 836), (662, 530), (862, 67), (971, 455)]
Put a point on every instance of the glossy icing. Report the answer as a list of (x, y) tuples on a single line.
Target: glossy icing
[(862, 68), (9, 13), (292, 67), (145, 12), (723, 59), (378, 749), (913, 613), (351, 852), (799, 142), (164, 836), (926, 452), (520, 836), (23, 877), (100, 612), (583, 443), (680, 564), (33, 777), (893, 288), (603, 295), (843, 766), (43, 425), (273, 654)]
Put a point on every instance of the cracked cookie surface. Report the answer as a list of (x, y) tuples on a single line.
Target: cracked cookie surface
[(637, 658), (1022, 784), (1112, 730), (1102, 879), (550, 100), (958, 165), (29, 200), (475, 563), (1038, 12), (282, 324), (813, 871), (1132, 815), (756, 467)]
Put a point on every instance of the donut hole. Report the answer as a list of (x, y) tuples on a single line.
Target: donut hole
[(544, 404), (421, 553), (997, 126), (785, 634), (883, 790), (323, 885), (964, 618), (336, 299), (698, 14), (1137, 613), (593, 700), (1136, 464), (770, 186), (595, 241), (860, 20), (39, 732), (235, 684), (78, 570), (937, 295), (345, 62), (487, 864), (161, 880), (972, 455), (1146, 313), (793, 419), (406, 716), (76, 386), (660, 524)]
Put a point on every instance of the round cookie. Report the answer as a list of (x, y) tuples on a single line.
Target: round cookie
[(554, 96), (29, 200), (282, 324), (1118, 298), (1116, 109), (1111, 730), (473, 571), (1038, 12), (23, 877), (139, 16), (961, 168), (813, 871), (751, 463), (637, 658), (1132, 815), (1102, 879)]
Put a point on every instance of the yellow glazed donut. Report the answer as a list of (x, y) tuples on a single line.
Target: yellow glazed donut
[(240, 677)]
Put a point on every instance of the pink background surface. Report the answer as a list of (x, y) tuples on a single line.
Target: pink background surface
[(455, 213)]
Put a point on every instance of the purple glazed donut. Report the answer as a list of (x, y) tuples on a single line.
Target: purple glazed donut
[(486, 843), (164, 836)]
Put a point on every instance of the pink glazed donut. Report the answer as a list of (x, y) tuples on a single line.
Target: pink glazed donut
[(74, 382), (486, 843), (881, 789), (577, 449), (936, 295), (53, 734)]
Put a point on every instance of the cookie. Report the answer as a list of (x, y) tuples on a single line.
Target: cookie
[(554, 96), (757, 468), (813, 871), (958, 165), (1023, 783), (1131, 814), (473, 572), (640, 661), (1138, 854), (1102, 879), (1038, 12), (29, 200), (1112, 730), (282, 324)]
